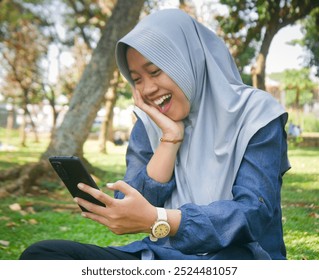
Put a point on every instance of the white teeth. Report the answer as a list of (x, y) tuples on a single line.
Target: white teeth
[(162, 99)]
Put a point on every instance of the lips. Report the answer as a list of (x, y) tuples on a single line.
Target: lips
[(162, 99), (163, 103)]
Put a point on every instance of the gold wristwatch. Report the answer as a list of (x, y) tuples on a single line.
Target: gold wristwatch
[(161, 227)]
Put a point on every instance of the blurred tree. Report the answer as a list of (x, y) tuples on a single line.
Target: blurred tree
[(72, 26), (188, 6), (86, 19), (23, 47), (298, 87), (253, 22), (311, 39), (106, 132), (77, 26), (90, 91), (152, 5), (69, 138), (21, 84)]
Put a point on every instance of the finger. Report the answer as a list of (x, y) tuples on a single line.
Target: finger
[(139, 101), (99, 195), (135, 96), (89, 206), (98, 218), (122, 187)]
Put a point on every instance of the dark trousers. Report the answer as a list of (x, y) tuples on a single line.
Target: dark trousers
[(70, 250)]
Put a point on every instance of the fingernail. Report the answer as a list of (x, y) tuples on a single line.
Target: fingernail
[(83, 215), (80, 186), (75, 199), (109, 185)]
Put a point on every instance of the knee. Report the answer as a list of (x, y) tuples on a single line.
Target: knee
[(38, 251)]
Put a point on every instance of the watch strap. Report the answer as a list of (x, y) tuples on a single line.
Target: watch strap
[(161, 217), (161, 214)]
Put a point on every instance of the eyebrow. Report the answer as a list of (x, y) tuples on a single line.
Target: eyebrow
[(144, 65)]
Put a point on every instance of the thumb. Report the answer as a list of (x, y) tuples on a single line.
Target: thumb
[(120, 186)]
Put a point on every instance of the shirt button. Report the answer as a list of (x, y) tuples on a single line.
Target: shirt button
[(261, 199)]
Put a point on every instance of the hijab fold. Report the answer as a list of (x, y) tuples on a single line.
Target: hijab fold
[(225, 113)]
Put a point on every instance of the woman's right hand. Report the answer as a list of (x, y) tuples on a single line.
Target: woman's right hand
[(161, 166), (171, 130)]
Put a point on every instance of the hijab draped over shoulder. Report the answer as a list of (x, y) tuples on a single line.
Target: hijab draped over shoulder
[(225, 113)]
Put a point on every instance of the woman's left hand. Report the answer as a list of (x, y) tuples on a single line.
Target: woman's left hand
[(132, 214)]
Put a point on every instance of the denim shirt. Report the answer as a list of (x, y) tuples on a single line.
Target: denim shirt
[(247, 227)]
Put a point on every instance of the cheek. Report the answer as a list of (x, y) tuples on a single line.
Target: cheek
[(183, 108), (186, 109), (185, 103), (138, 87)]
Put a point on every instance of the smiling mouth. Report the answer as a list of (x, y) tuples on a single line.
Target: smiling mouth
[(162, 101)]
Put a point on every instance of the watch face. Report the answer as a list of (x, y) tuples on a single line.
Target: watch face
[(161, 229)]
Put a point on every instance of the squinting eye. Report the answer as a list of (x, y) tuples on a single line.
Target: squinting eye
[(156, 72), (136, 80)]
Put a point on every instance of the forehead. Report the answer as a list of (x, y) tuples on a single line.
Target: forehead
[(135, 59)]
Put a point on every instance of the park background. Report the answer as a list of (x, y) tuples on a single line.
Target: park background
[(60, 93)]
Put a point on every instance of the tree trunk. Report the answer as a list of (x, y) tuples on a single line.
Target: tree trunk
[(69, 138), (259, 71), (107, 122), (10, 123), (280, 17), (33, 126), (297, 104), (22, 128)]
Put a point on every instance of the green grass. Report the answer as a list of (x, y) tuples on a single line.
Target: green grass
[(49, 212), (300, 203)]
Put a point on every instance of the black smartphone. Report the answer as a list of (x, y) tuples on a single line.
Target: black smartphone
[(72, 171)]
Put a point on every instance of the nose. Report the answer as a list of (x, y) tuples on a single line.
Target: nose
[(148, 87)]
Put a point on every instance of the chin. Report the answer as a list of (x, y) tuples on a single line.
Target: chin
[(176, 117)]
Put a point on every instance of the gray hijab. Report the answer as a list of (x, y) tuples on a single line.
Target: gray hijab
[(225, 113)]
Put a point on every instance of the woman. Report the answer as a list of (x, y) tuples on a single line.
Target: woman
[(205, 159)]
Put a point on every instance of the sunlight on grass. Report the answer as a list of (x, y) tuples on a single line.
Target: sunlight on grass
[(304, 160), (300, 203), (301, 244)]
